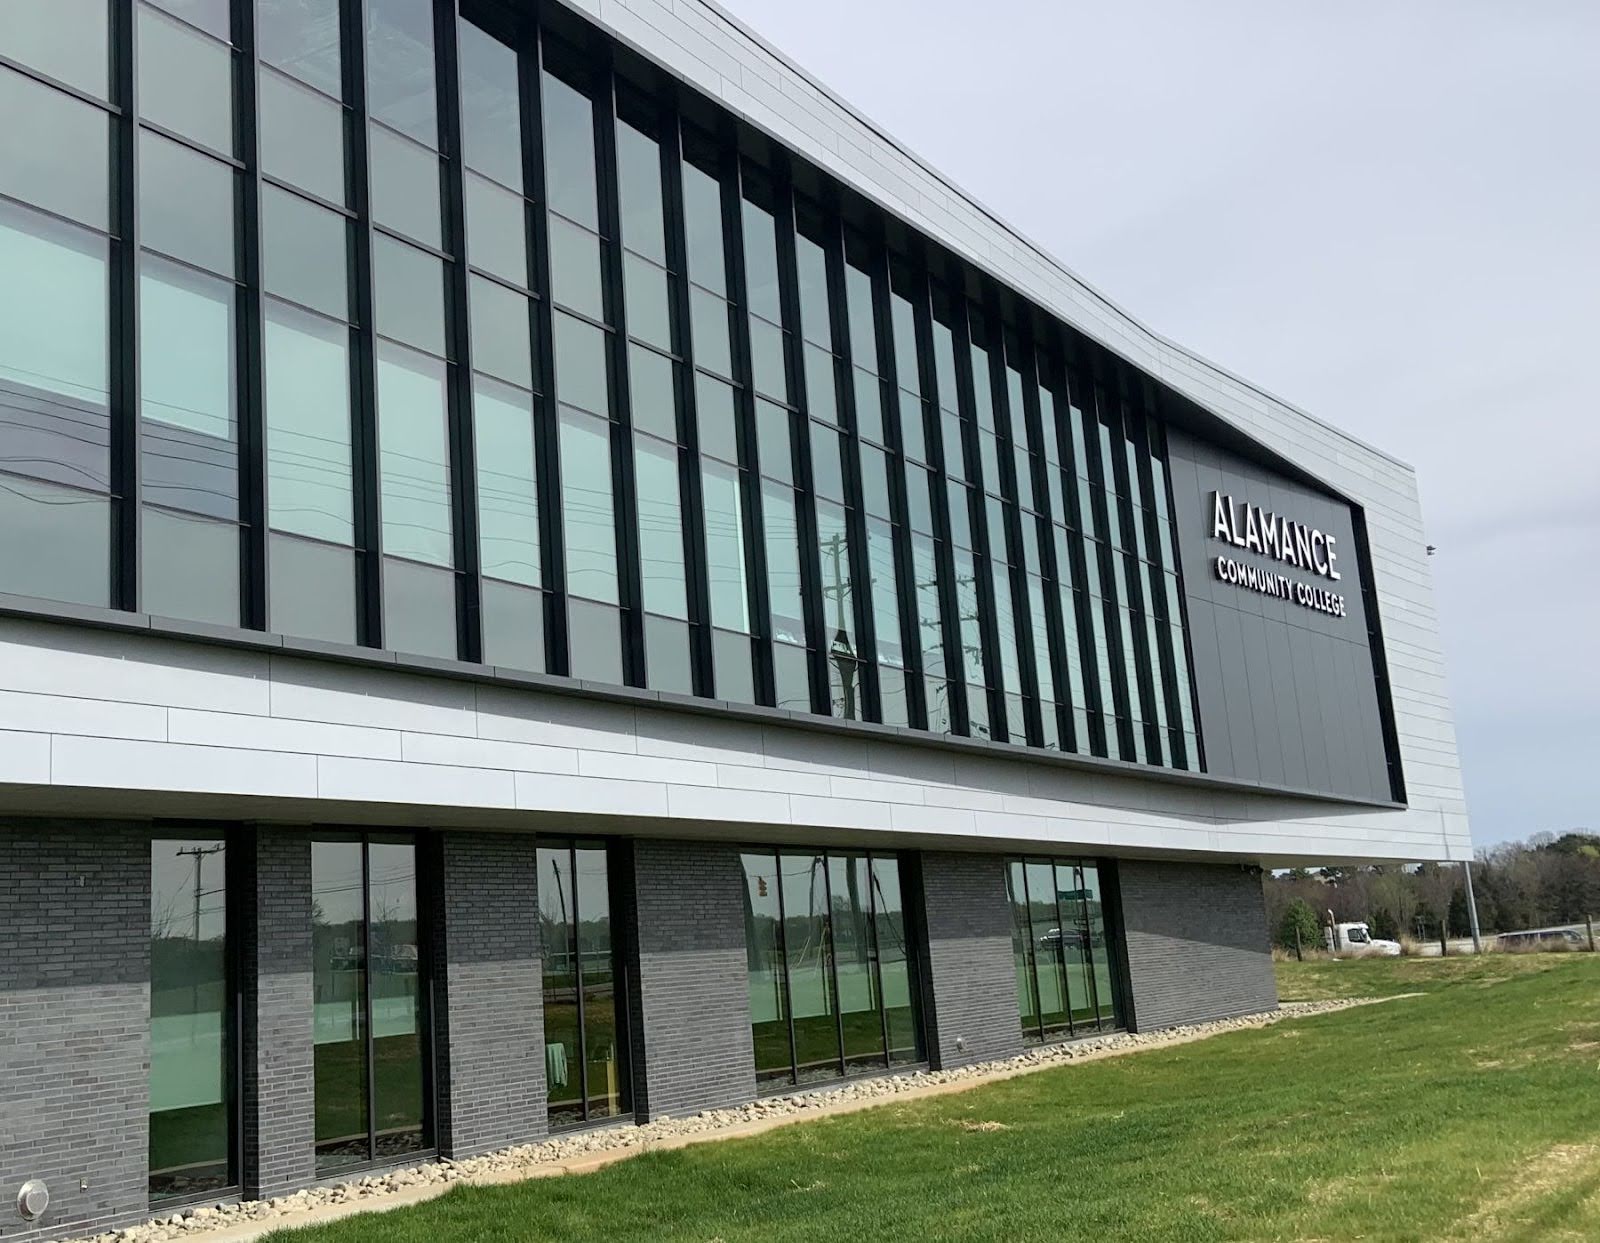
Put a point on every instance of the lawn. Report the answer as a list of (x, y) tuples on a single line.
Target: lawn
[(1470, 1112)]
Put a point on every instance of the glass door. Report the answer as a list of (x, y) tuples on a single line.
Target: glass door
[(192, 1036), (370, 1024), (585, 1012)]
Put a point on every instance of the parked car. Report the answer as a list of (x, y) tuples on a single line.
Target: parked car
[(1072, 939)]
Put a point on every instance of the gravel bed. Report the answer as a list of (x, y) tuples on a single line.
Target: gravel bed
[(529, 1158)]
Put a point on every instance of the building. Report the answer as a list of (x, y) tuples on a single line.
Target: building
[(555, 575)]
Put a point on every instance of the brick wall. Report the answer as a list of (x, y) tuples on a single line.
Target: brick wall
[(74, 1024), (488, 990), (1196, 942), (276, 1044), (693, 979), (970, 985)]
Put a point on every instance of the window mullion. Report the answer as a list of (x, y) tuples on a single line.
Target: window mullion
[(625, 505), (830, 945), (1122, 496), (877, 956), (1196, 761), (944, 549), (366, 997), (900, 517), (805, 501), (1078, 549), (125, 402), (363, 372), (1049, 571), (1012, 512), (1061, 949), (462, 448), (866, 648), (254, 610), (576, 945), (547, 420), (1157, 568), (1033, 948), (783, 959), (689, 469), (978, 517), (759, 602), (1100, 548)]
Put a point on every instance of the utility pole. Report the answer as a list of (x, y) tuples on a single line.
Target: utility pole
[(198, 853), (1472, 907), (843, 654)]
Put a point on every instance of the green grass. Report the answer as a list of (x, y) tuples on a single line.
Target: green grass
[(1471, 1112)]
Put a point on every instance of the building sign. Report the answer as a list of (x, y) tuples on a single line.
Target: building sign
[(1272, 535)]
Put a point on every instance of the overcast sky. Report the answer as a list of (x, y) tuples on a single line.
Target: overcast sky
[(1388, 214)]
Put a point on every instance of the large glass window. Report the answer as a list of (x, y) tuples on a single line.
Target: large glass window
[(54, 320), (506, 391), (67, 39), (414, 475), (188, 374), (585, 1023), (1063, 955), (191, 1019), (661, 460), (864, 475), (832, 987), (584, 342), (370, 1025)]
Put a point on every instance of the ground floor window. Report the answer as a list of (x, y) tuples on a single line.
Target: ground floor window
[(1065, 982), (832, 987), (191, 1024), (370, 1020), (585, 1025)]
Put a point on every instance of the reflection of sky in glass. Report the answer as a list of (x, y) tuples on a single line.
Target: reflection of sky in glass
[(301, 37), (172, 889), (491, 119), (336, 882)]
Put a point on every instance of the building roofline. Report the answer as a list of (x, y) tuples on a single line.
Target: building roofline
[(760, 43)]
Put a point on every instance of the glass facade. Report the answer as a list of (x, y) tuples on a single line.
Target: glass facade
[(585, 1024), (1066, 983), (455, 338), (191, 1019), (832, 976), (370, 1023)]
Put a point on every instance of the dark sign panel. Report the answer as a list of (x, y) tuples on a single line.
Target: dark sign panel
[(1284, 677)]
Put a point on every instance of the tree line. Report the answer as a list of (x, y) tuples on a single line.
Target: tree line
[(1547, 880)]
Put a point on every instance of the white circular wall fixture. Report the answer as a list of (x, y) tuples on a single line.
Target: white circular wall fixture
[(33, 1199)]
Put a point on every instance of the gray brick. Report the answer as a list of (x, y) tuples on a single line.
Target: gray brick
[(276, 1045), (692, 979), (74, 1024), (489, 1029), (1196, 942), (970, 985)]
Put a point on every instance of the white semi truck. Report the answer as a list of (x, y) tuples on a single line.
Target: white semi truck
[(1357, 939)]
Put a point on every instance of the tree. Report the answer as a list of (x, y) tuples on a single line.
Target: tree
[(1299, 918), (1436, 890), (1393, 894)]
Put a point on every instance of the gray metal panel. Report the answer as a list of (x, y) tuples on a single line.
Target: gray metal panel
[(1294, 685), (1311, 715), (1235, 709), (1211, 699), (1286, 701)]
